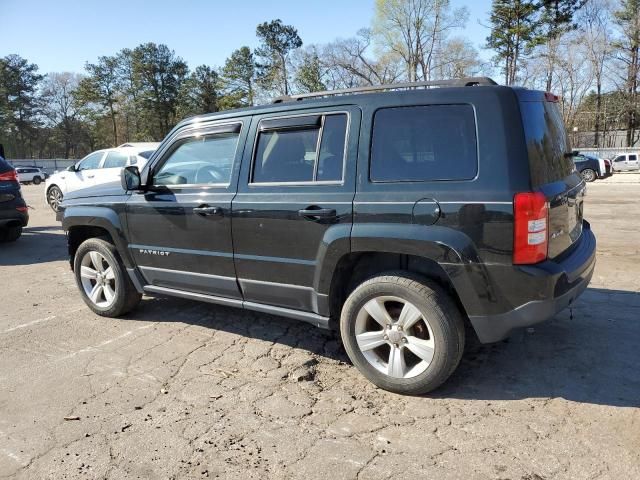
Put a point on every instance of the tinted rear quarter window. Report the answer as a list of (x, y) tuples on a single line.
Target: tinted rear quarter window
[(547, 142), (424, 143)]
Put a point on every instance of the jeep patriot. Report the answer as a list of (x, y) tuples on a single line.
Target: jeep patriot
[(397, 214)]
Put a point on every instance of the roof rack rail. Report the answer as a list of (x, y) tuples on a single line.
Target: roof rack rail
[(455, 82)]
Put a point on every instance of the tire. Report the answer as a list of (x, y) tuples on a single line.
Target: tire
[(54, 197), (588, 175), (98, 269), (37, 180), (10, 234), (438, 334)]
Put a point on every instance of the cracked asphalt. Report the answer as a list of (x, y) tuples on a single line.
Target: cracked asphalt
[(180, 389)]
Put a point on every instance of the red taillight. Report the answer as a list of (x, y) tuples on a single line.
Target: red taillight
[(9, 176), (22, 209), (531, 220)]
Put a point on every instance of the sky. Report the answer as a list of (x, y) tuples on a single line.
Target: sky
[(62, 35)]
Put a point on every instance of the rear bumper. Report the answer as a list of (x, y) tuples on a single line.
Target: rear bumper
[(14, 218), (10, 216), (564, 281)]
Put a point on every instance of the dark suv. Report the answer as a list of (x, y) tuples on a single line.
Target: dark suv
[(14, 214), (396, 214)]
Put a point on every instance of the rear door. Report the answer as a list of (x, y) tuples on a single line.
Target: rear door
[(632, 161), (552, 169), (294, 199), (180, 229)]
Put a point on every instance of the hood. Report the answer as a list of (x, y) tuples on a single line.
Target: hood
[(103, 190)]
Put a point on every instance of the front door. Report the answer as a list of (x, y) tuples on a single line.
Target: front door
[(294, 198), (180, 228), (85, 173)]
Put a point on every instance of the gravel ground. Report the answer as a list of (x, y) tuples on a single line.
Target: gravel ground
[(186, 390)]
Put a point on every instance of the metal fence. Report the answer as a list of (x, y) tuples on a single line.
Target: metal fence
[(49, 165), (607, 152)]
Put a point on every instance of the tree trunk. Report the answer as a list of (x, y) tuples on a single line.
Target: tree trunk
[(115, 127), (596, 127)]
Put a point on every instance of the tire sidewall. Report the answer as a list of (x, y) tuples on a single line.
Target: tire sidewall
[(592, 175), (54, 187), (445, 338), (107, 250)]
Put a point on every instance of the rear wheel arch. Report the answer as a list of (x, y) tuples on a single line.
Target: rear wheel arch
[(354, 268)]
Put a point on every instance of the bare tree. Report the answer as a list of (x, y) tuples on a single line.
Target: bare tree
[(346, 63), (60, 106), (415, 31), (597, 40)]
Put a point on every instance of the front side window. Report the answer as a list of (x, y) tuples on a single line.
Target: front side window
[(91, 162), (619, 159), (424, 143), (306, 153), (206, 159), (115, 160)]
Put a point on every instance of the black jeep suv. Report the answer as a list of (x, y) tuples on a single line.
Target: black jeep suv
[(14, 214), (396, 214)]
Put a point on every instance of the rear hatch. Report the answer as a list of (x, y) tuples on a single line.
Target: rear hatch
[(552, 170)]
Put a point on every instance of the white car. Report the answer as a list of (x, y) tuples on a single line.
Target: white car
[(30, 175), (102, 166), (626, 162)]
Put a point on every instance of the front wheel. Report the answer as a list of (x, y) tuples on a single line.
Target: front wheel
[(588, 175), (102, 279), (404, 333), (54, 198)]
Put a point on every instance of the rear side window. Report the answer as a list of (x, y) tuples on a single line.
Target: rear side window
[(547, 142), (300, 154), (425, 143), (632, 158)]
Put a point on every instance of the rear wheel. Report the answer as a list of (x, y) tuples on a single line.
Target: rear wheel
[(102, 279), (54, 198), (10, 234), (37, 180), (588, 175), (404, 333)]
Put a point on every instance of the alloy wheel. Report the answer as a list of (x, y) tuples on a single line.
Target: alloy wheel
[(394, 337), (54, 197), (98, 279)]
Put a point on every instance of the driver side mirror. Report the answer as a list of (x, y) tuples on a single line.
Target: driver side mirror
[(130, 178), (72, 168)]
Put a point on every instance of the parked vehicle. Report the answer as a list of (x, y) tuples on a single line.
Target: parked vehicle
[(625, 162), (14, 214), (30, 175), (375, 211), (591, 168), (608, 167), (102, 166)]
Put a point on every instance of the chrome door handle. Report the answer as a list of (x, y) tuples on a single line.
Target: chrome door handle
[(206, 210), (317, 212)]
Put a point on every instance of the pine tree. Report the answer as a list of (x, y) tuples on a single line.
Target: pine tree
[(513, 33)]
